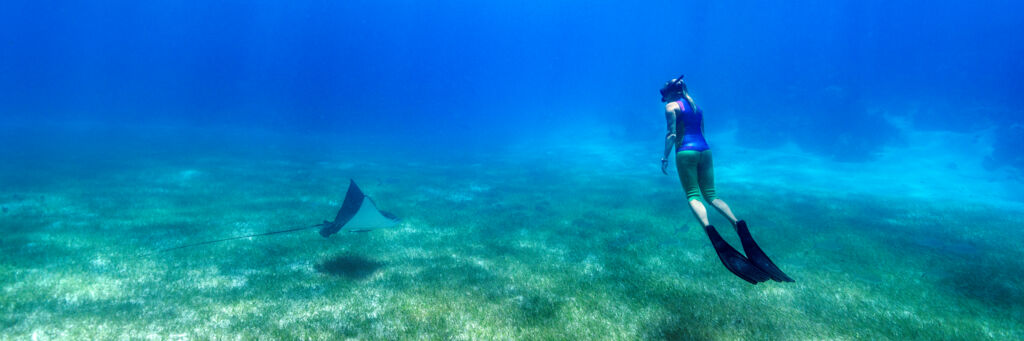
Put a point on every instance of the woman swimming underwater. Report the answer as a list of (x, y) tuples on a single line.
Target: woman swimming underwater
[(696, 172)]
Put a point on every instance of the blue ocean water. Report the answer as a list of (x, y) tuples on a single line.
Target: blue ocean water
[(832, 105), (456, 70)]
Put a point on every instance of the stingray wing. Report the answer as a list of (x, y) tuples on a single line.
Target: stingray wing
[(358, 212)]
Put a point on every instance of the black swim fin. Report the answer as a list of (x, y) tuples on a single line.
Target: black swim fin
[(734, 260), (757, 256)]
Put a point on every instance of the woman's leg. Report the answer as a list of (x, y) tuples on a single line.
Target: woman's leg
[(706, 179), (687, 162), (699, 211)]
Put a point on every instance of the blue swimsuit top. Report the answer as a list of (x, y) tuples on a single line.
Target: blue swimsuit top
[(690, 128)]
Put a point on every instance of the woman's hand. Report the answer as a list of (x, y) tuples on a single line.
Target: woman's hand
[(664, 166)]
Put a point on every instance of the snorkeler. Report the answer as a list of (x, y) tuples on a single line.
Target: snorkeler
[(693, 162)]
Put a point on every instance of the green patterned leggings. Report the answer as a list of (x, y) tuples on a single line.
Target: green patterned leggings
[(697, 174)]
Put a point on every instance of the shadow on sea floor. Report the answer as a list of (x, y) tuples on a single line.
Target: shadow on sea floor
[(992, 285), (352, 267)]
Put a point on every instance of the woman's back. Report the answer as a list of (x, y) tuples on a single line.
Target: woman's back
[(690, 127)]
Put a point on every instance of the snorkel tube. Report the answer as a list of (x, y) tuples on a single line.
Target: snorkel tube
[(672, 87)]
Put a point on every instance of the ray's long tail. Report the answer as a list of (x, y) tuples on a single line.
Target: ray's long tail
[(240, 237)]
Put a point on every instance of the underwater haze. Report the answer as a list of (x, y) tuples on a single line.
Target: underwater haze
[(873, 146)]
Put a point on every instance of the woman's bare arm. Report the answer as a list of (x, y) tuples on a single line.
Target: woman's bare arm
[(670, 136)]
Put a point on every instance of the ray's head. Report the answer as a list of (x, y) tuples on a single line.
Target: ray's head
[(673, 90)]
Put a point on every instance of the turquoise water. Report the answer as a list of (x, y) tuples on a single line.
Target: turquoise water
[(873, 146), (502, 245)]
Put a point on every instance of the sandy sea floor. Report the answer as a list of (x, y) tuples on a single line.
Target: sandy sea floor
[(529, 243)]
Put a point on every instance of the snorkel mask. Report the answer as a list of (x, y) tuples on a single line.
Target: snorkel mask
[(672, 87)]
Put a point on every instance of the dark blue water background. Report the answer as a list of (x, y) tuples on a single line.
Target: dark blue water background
[(822, 74)]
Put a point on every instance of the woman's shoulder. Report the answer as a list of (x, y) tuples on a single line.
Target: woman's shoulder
[(672, 106)]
